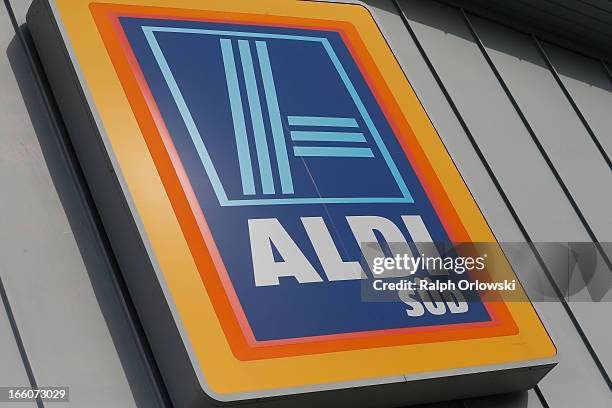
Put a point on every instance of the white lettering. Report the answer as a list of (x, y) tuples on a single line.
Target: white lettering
[(267, 232), (335, 268)]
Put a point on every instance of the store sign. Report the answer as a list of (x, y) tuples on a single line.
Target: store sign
[(263, 143), (293, 166)]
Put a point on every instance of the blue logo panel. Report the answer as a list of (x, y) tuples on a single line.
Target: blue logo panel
[(280, 123)]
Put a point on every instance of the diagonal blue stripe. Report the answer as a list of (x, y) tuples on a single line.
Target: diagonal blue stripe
[(194, 133), (366, 117), (242, 143), (303, 136), (322, 121), (261, 144), (227, 33), (278, 134), (333, 151)]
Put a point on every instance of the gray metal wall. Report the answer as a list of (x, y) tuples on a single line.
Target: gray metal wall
[(529, 125)]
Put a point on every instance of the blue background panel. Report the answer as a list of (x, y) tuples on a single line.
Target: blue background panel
[(307, 85)]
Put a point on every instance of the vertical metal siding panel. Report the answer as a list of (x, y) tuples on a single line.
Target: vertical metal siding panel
[(555, 123), (494, 122), (589, 86), (52, 265), (521, 171), (570, 148), (12, 370)]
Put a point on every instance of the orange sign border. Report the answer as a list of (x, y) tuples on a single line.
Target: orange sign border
[(193, 222)]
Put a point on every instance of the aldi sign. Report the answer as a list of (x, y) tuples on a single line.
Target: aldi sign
[(258, 145)]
